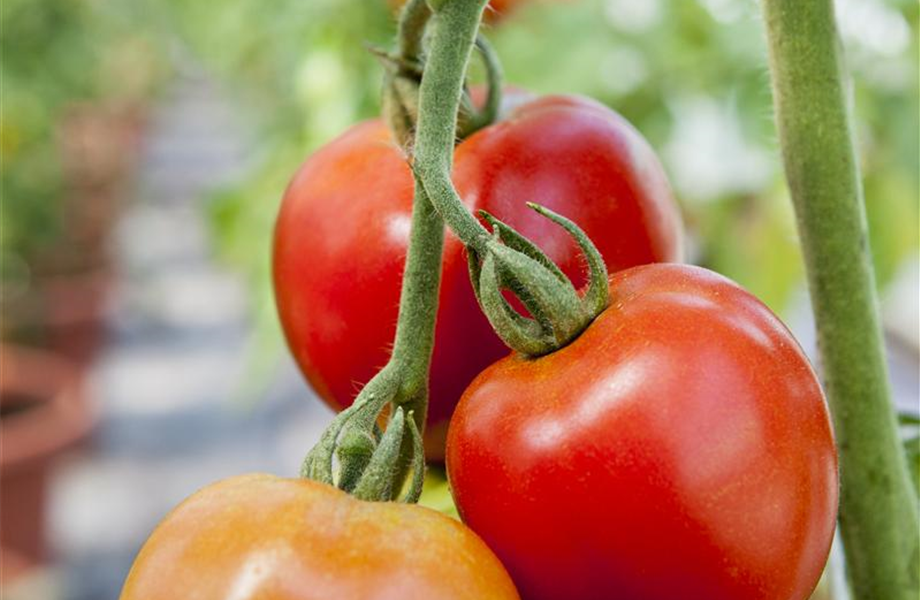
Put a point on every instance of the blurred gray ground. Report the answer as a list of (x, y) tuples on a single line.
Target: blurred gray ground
[(168, 383)]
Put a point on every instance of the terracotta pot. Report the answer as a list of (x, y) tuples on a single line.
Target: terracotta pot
[(62, 313), (74, 313), (43, 412)]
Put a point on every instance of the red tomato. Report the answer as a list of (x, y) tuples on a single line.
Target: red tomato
[(343, 230), (259, 537), (679, 448)]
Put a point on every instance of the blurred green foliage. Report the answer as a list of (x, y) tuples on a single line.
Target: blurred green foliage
[(692, 76), (58, 55), (43, 68), (304, 70)]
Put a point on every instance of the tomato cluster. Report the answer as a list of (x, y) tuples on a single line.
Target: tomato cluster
[(679, 447), (343, 230)]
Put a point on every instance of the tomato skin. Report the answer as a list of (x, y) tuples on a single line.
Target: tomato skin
[(259, 536), (679, 448), (343, 230)]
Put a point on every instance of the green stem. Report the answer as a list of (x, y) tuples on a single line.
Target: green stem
[(373, 466), (418, 305), (404, 71), (453, 27), (878, 508)]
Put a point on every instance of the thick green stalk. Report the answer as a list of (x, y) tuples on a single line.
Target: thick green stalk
[(453, 29), (369, 467), (418, 304), (878, 508), (453, 40)]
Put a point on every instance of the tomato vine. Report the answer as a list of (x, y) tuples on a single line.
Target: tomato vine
[(373, 464)]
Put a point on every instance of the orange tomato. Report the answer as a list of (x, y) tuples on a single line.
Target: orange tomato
[(268, 538)]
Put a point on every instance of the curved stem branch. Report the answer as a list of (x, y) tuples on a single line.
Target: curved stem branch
[(559, 315), (494, 82), (453, 26), (489, 112), (878, 508)]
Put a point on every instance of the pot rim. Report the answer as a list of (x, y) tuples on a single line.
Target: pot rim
[(62, 414)]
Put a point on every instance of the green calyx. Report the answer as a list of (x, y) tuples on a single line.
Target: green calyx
[(471, 118), (399, 102), (558, 314), (371, 464)]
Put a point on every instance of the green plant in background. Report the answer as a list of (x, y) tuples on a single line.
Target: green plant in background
[(58, 55), (40, 76)]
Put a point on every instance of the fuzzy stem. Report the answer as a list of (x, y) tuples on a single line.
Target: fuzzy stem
[(446, 68), (453, 28), (375, 470), (878, 508), (418, 304)]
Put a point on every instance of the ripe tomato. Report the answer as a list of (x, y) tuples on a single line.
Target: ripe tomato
[(679, 448), (258, 536), (343, 230)]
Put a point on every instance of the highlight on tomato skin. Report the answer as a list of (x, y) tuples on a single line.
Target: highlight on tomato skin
[(680, 448), (258, 536), (342, 232)]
